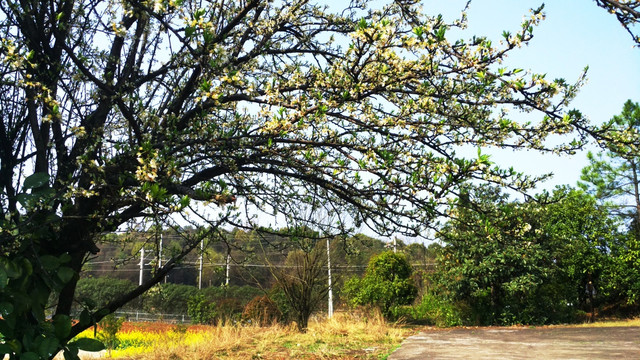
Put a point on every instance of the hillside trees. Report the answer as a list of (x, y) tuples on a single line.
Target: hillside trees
[(613, 177), (117, 113)]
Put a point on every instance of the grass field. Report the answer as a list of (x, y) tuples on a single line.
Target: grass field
[(345, 336)]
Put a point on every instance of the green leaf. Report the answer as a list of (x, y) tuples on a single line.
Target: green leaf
[(44, 193), (4, 278), (71, 353), (37, 310), (440, 33), (184, 202), (7, 327), (65, 258), (29, 356), (65, 274), (49, 262), (5, 349), (23, 198), (87, 344), (199, 13), (85, 317), (205, 85), (26, 265), (6, 308), (62, 326), (48, 347), (362, 24), (36, 180), (189, 31)]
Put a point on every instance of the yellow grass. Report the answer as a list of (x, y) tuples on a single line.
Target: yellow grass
[(345, 336), (612, 323)]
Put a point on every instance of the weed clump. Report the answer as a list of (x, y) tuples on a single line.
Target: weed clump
[(261, 311)]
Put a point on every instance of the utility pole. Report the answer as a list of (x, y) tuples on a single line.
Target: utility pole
[(228, 264), (330, 307), (160, 252), (141, 265), (395, 245), (201, 259), (160, 255)]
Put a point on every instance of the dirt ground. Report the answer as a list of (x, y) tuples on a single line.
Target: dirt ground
[(523, 343)]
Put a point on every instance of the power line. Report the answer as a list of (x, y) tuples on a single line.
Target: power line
[(193, 263)]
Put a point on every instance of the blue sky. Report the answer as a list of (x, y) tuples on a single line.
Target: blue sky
[(575, 34)]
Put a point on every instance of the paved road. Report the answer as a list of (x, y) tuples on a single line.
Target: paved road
[(523, 343)]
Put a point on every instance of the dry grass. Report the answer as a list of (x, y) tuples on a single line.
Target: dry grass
[(345, 336), (612, 323)]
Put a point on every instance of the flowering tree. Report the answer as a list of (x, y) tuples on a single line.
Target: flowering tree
[(119, 111), (627, 12)]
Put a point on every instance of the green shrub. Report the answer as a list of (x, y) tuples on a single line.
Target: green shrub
[(97, 292), (218, 304), (279, 298), (435, 310), (228, 310), (243, 294), (201, 310), (386, 284), (169, 298), (109, 327)]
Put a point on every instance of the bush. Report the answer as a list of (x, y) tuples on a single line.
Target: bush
[(243, 294), (228, 310), (433, 310), (97, 292), (219, 304), (108, 335), (386, 284), (281, 301), (261, 311), (169, 298), (201, 310)]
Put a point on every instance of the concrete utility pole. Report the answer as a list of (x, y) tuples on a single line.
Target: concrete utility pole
[(201, 258), (141, 265), (160, 253), (228, 264), (330, 308), (160, 256)]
